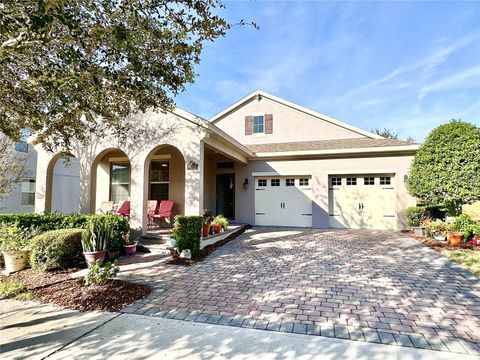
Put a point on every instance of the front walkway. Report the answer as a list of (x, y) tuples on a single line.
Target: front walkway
[(352, 284), (37, 331)]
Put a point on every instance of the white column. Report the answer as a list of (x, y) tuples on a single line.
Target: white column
[(87, 205), (41, 185), (194, 170), (138, 197)]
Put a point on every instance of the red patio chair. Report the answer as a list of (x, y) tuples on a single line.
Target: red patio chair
[(124, 208), (165, 209), (151, 209)]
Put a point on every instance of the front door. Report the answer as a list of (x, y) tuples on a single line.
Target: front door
[(226, 195)]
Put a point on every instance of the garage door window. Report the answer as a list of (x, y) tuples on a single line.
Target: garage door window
[(290, 182), (275, 182), (303, 182), (262, 182), (369, 181), (385, 180), (351, 181), (336, 181)]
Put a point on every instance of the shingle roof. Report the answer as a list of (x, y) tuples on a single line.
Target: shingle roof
[(357, 143)]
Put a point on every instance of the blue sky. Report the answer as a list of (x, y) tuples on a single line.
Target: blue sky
[(407, 66)]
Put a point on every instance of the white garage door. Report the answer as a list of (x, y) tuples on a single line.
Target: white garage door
[(283, 201), (362, 201)]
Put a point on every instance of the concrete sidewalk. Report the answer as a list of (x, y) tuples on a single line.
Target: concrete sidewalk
[(30, 330)]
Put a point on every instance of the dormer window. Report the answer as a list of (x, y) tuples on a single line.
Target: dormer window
[(258, 124)]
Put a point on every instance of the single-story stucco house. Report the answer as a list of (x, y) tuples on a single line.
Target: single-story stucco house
[(262, 161)]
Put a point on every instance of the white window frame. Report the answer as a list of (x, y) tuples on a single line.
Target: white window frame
[(367, 179), (351, 181), (385, 180), (112, 183), (275, 181), (262, 116), (290, 182), (304, 182), (334, 181), (262, 182), (150, 182), (29, 191)]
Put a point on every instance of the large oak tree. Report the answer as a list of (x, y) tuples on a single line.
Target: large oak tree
[(64, 64)]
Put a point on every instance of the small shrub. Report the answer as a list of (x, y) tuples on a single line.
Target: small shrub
[(416, 215), (10, 289), (222, 220), (437, 228), (14, 238), (56, 249), (97, 276), (466, 224), (188, 230)]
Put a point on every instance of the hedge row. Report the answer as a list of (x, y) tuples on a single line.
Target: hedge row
[(47, 222)]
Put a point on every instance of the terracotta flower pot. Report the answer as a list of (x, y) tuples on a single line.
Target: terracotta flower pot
[(454, 238), (206, 229), (218, 228), (131, 249), (15, 260), (93, 256)]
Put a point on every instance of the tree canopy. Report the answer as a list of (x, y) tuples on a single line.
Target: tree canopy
[(66, 63), (390, 134), (446, 168)]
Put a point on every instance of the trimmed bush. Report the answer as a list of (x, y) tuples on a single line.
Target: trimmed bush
[(416, 215), (56, 249), (187, 232), (49, 222)]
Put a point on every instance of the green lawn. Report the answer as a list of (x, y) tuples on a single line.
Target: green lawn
[(468, 259)]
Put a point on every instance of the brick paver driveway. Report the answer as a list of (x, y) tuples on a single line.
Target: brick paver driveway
[(353, 284)]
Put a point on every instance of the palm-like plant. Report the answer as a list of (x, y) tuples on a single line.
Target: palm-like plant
[(96, 236)]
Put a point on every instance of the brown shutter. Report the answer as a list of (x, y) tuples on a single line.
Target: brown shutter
[(268, 124), (248, 125)]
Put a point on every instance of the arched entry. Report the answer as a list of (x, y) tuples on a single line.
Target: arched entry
[(111, 178), (165, 177), (63, 184)]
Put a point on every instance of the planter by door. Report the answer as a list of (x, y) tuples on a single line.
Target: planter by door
[(454, 238), (206, 229), (131, 249), (93, 256), (418, 230), (15, 260), (218, 228)]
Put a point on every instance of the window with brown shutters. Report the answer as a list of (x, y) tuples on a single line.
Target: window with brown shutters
[(248, 125), (269, 124)]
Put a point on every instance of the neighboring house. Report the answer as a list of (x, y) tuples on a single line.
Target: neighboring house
[(262, 161), (21, 198)]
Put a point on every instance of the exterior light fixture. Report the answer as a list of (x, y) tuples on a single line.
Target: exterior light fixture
[(245, 184)]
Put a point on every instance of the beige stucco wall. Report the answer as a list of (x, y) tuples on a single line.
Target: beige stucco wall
[(288, 124), (149, 131), (320, 170)]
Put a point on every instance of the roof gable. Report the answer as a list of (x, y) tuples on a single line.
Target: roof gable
[(258, 94)]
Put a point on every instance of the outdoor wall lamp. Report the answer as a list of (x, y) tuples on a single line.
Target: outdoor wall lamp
[(405, 178), (245, 184)]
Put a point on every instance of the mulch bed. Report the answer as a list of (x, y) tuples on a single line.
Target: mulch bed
[(205, 252), (440, 246), (57, 287)]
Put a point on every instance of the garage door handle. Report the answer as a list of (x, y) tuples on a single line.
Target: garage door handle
[(362, 206), (359, 206)]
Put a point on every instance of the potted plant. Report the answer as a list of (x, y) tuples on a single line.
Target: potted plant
[(415, 217), (454, 235), (476, 234), (94, 240), (438, 230), (221, 223), (14, 245), (130, 245), (207, 219)]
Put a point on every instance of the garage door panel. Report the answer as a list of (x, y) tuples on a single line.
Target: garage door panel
[(283, 205), (362, 201)]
